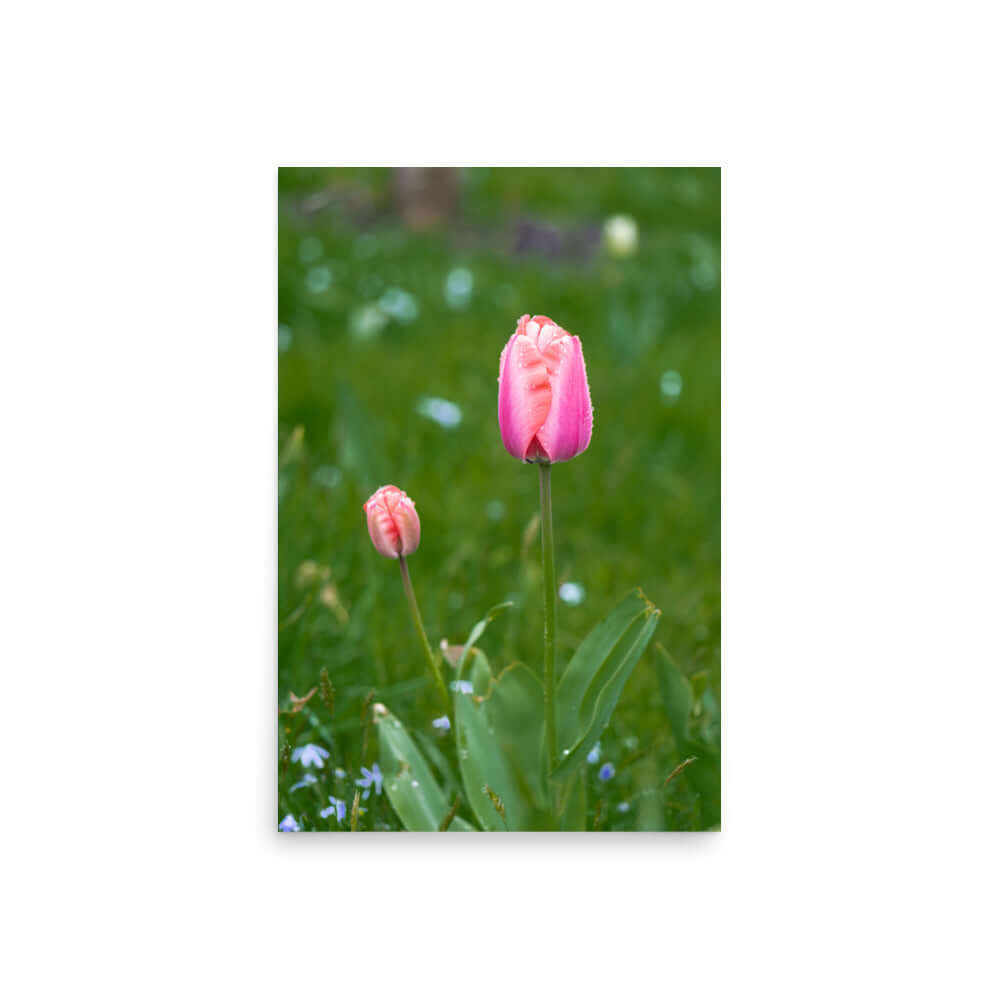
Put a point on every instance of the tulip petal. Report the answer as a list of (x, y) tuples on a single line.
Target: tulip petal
[(525, 395), (408, 525), (544, 331), (382, 528), (541, 321), (569, 423), (392, 522)]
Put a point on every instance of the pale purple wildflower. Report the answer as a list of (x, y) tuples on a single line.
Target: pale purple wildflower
[(310, 754), (307, 779), (607, 772), (369, 778), (442, 723), (339, 772), (595, 755), (338, 806), (288, 825), (462, 687)]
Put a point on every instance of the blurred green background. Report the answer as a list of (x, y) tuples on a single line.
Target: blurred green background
[(397, 290)]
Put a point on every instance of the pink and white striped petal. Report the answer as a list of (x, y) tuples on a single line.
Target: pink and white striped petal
[(525, 396), (566, 431)]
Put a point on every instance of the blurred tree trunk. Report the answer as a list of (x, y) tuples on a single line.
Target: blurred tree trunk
[(425, 196)]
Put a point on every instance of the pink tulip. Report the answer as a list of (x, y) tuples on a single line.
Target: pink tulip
[(392, 522), (544, 401)]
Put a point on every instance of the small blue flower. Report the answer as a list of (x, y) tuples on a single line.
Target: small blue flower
[(607, 772), (339, 772), (307, 779), (288, 825), (623, 807), (369, 778), (463, 687), (595, 755), (338, 806), (310, 754), (443, 724)]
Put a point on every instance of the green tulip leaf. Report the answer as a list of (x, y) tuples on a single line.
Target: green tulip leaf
[(678, 698), (499, 750), (595, 677), (498, 729), (515, 707), (477, 631), (408, 780), (477, 669), (450, 782), (573, 815)]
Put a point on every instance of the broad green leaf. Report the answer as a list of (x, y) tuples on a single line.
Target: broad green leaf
[(483, 767), (443, 769), (699, 683), (598, 643), (477, 669), (499, 750), (573, 817), (515, 707), (594, 679), (678, 697), (498, 729), (477, 631), (408, 781)]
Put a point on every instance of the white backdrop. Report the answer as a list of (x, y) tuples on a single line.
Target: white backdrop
[(858, 852)]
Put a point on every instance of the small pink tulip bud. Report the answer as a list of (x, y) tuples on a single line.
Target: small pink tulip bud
[(392, 522), (544, 401)]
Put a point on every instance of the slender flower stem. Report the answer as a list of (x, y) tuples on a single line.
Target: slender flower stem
[(418, 624), (549, 586)]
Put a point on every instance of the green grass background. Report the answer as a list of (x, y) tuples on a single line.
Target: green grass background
[(640, 507)]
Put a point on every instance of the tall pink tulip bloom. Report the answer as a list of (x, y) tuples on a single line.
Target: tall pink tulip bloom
[(544, 401), (392, 522)]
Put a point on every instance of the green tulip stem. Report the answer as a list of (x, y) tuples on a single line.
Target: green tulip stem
[(549, 586), (418, 624)]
